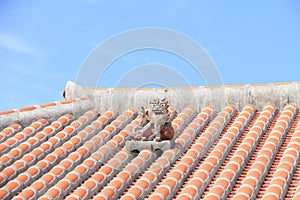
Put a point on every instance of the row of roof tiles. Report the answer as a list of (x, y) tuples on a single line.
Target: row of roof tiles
[(85, 158), (206, 171), (259, 168)]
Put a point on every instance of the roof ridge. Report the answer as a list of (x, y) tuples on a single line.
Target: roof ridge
[(41, 106)]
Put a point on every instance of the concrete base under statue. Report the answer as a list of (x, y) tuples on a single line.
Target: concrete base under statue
[(135, 145)]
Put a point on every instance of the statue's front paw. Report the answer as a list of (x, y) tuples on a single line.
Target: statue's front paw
[(137, 137)]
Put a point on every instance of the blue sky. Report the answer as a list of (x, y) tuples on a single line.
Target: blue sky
[(44, 43)]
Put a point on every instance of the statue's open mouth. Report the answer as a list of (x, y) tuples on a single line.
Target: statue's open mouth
[(159, 112)]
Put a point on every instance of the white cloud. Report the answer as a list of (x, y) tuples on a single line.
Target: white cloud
[(13, 43)]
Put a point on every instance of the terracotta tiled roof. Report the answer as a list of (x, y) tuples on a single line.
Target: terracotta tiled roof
[(69, 150)]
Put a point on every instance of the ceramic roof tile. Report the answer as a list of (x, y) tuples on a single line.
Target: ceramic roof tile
[(9, 132), (69, 150)]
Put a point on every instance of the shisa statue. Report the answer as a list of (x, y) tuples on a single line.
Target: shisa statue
[(158, 116)]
